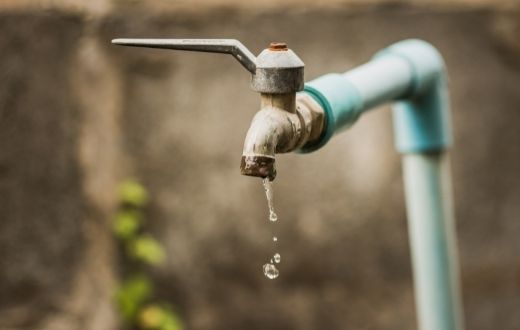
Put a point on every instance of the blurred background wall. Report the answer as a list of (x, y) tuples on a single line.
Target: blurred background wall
[(78, 115)]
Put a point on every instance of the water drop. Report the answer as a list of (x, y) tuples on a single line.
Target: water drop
[(272, 216), (270, 271), (268, 187)]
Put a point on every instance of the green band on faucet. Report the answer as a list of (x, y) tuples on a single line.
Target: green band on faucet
[(341, 102)]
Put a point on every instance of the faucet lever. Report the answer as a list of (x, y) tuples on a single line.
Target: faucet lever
[(223, 46), (277, 74)]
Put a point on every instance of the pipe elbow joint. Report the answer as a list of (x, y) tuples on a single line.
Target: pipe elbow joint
[(410, 73), (425, 60), (422, 118)]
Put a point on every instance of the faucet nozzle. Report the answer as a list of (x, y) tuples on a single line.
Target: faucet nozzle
[(285, 123), (259, 166)]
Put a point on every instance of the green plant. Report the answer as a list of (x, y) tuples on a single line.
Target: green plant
[(134, 296)]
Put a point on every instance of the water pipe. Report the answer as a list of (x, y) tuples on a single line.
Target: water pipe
[(294, 117), (411, 74)]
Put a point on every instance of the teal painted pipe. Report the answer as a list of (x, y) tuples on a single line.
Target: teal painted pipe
[(422, 118), (433, 241), (411, 74), (344, 97)]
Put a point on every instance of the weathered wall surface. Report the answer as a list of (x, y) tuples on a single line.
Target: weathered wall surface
[(73, 107), (55, 251)]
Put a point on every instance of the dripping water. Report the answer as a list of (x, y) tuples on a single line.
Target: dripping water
[(268, 187), (270, 269)]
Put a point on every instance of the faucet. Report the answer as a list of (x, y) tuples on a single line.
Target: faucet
[(302, 117), (286, 121)]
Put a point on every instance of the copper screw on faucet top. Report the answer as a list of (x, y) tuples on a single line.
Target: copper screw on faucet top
[(278, 46)]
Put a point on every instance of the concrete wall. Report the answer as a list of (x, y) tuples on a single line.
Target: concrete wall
[(79, 114)]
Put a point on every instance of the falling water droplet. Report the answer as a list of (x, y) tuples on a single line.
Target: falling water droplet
[(268, 187), (270, 271), (272, 216)]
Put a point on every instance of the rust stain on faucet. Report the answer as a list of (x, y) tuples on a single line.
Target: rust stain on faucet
[(259, 166), (278, 46)]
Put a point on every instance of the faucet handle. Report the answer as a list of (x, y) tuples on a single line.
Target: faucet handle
[(276, 70), (223, 46)]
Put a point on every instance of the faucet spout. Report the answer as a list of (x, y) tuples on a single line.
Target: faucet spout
[(272, 130), (285, 123)]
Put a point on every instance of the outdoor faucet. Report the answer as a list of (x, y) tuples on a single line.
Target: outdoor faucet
[(303, 117), (287, 121)]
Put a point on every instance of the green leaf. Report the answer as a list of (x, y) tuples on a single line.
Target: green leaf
[(147, 249), (133, 193), (126, 223), (156, 317), (130, 296), (151, 317), (171, 321)]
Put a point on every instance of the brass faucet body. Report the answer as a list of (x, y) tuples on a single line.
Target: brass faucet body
[(286, 122)]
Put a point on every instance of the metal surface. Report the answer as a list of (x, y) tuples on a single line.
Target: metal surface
[(313, 117), (277, 74), (277, 129), (433, 241), (277, 70), (223, 46)]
